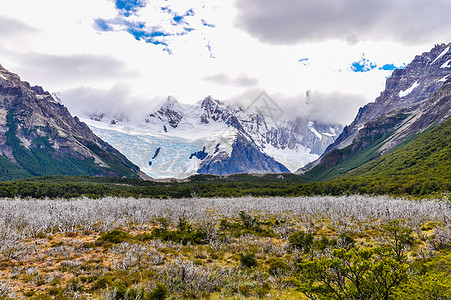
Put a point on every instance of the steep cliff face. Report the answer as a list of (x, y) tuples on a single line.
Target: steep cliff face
[(40, 137), (416, 98)]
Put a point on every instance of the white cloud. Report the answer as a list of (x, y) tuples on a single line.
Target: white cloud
[(294, 21), (12, 27), (118, 102), (334, 107), (58, 45), (241, 80)]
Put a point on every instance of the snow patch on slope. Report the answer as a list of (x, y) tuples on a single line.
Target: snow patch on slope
[(446, 64), (409, 90), (443, 79), (441, 55), (3, 77), (310, 126)]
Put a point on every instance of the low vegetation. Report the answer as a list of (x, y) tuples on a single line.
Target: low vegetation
[(348, 247)]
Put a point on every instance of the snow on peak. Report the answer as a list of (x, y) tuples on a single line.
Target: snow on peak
[(405, 93), (170, 102), (441, 55)]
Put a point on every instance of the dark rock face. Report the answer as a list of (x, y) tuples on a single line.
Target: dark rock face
[(41, 137), (245, 158), (415, 98), (200, 154)]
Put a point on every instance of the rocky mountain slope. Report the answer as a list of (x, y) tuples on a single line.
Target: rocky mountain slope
[(38, 136), (212, 137), (416, 98)]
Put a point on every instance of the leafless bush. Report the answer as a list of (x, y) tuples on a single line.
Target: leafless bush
[(284, 230), (130, 256), (32, 217), (5, 291), (185, 277), (441, 238), (109, 294)]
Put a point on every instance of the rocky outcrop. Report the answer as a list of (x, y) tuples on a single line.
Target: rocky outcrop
[(245, 158)]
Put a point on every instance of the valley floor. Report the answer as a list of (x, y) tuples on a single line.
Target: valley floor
[(215, 248)]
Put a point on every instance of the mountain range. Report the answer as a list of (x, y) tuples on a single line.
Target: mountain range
[(212, 137), (401, 130)]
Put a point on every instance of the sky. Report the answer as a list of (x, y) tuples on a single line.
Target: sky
[(314, 58)]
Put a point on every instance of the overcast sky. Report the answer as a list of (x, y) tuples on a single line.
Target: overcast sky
[(121, 56)]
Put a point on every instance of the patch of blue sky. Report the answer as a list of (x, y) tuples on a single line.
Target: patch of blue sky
[(363, 65), (190, 13), (210, 50), (102, 25), (388, 67), (142, 30), (152, 37), (304, 61), (178, 19), (207, 24), (127, 7), (391, 67)]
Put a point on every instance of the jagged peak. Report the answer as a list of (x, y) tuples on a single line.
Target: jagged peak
[(169, 104), (209, 101)]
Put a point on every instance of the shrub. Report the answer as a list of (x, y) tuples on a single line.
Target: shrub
[(277, 266), (160, 292), (248, 260), (115, 236), (301, 240), (247, 220)]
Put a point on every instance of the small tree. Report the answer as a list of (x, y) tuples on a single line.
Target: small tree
[(399, 238), (351, 274), (248, 221), (163, 222)]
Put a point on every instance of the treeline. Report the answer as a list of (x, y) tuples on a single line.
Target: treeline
[(69, 187)]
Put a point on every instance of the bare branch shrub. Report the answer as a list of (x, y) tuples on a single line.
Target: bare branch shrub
[(185, 277)]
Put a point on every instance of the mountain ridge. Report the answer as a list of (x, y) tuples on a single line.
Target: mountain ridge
[(39, 136), (415, 98)]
